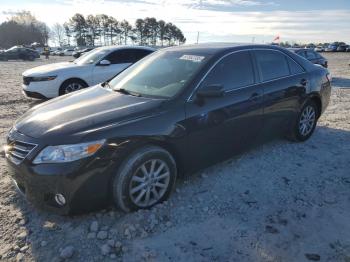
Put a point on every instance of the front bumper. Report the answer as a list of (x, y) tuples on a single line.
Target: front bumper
[(85, 184), (33, 95), (85, 189), (48, 89)]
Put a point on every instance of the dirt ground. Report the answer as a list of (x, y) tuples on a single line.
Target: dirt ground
[(281, 201)]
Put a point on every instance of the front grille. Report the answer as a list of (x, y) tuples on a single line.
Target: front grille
[(26, 80), (17, 151)]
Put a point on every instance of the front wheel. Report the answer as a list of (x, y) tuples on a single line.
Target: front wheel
[(70, 86), (145, 179), (306, 122)]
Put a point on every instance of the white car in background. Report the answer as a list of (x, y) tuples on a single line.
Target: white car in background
[(94, 67), (68, 52)]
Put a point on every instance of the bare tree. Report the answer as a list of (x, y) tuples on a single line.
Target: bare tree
[(58, 34)]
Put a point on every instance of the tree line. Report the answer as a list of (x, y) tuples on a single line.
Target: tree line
[(92, 30), (23, 29), (102, 29)]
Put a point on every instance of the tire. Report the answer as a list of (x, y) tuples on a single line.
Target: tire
[(305, 123), (31, 58), (131, 177), (72, 85)]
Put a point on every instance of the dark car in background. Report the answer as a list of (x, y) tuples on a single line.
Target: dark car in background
[(78, 53), (19, 53), (331, 48), (342, 48), (174, 112), (311, 55)]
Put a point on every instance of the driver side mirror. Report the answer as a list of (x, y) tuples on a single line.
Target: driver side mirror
[(211, 91), (104, 62)]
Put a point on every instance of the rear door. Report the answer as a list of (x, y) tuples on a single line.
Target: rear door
[(221, 126), (284, 83)]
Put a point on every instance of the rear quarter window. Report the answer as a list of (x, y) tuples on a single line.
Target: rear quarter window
[(294, 67), (272, 64)]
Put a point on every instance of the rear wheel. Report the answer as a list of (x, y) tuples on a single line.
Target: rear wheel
[(31, 58), (146, 178), (72, 85), (306, 122)]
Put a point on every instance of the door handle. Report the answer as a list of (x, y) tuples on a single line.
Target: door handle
[(303, 82), (254, 97)]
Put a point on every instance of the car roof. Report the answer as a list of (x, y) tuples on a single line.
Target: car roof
[(298, 49), (218, 48), (112, 48)]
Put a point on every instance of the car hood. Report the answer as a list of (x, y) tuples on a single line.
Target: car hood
[(44, 70), (83, 112)]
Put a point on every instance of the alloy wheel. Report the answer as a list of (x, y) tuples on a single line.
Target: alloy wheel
[(149, 183), (307, 120), (73, 87)]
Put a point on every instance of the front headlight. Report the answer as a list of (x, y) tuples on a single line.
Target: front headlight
[(43, 78), (68, 153)]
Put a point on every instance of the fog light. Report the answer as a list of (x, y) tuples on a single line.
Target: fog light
[(60, 199)]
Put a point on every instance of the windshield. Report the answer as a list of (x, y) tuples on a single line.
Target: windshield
[(92, 57), (163, 74)]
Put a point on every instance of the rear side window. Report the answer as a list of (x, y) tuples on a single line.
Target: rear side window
[(139, 54), (233, 71), (120, 57), (272, 64), (301, 53), (310, 54), (126, 56)]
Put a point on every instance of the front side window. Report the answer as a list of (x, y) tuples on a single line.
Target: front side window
[(232, 72), (272, 64), (92, 57), (163, 74)]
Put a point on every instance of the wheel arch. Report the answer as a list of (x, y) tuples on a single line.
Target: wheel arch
[(172, 150), (317, 100), (136, 144)]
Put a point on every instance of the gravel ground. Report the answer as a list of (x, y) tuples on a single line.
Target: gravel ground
[(279, 202)]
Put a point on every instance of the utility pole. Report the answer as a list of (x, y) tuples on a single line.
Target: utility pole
[(197, 37)]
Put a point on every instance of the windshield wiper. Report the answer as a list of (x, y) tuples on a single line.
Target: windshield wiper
[(126, 92), (106, 84)]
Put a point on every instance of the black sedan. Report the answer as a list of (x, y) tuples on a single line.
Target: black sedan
[(173, 112), (311, 55), (19, 53)]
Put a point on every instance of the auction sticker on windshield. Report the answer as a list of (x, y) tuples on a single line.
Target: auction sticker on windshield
[(194, 58)]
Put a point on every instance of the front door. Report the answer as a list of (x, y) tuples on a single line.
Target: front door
[(221, 126), (119, 60)]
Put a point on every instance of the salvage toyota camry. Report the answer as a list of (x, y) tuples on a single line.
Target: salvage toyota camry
[(175, 111)]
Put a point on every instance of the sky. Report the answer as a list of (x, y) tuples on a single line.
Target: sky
[(258, 21)]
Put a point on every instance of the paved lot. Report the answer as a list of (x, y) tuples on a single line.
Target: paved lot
[(279, 202)]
